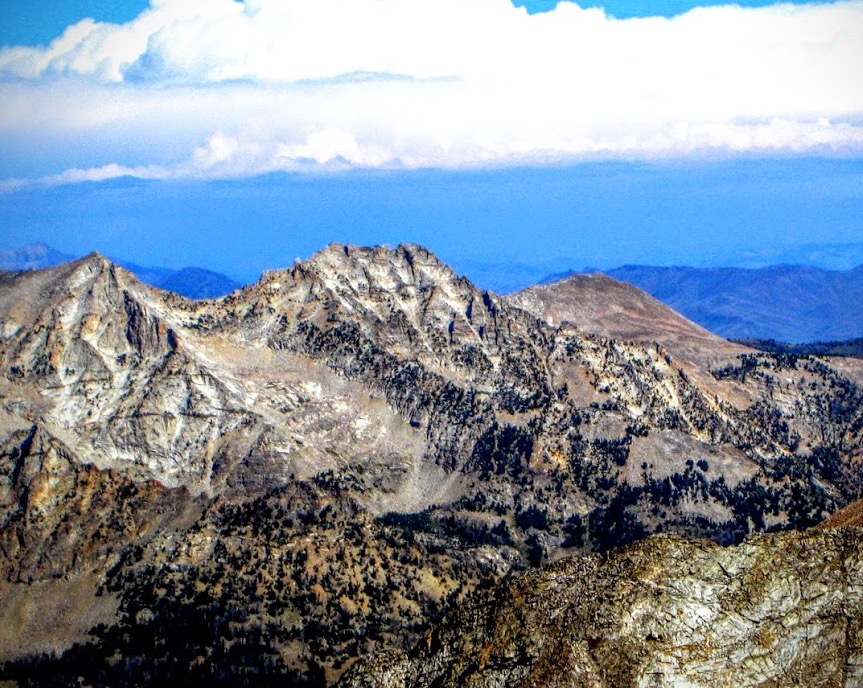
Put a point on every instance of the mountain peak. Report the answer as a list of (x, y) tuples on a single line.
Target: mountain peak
[(366, 269), (338, 253), (95, 265), (95, 258), (369, 409), (600, 304)]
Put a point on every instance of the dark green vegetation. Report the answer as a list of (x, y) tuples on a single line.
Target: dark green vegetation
[(294, 584), (253, 593), (851, 347), (507, 443)]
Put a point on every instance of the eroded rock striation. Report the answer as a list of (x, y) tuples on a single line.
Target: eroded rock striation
[(323, 463), (778, 610)]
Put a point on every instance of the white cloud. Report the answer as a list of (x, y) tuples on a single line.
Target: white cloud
[(223, 88)]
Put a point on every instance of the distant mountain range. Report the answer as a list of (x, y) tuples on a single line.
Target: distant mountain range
[(191, 282), (263, 489), (787, 303), (767, 307), (32, 257)]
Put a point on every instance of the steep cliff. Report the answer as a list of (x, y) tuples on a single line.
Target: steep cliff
[(323, 463), (778, 610)]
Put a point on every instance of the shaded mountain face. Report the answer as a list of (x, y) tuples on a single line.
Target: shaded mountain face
[(778, 610), (788, 303), (197, 283), (320, 464)]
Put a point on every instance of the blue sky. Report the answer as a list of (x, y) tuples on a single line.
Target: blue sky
[(240, 136), (504, 228), (34, 23)]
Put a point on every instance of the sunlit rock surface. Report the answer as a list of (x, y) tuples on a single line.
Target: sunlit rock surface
[(777, 610), (322, 464)]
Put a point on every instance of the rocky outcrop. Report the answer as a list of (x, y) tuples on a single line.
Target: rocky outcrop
[(777, 610), (321, 464), (851, 515), (600, 305), (59, 517), (589, 420)]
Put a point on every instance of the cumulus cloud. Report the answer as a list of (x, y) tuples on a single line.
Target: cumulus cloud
[(225, 88)]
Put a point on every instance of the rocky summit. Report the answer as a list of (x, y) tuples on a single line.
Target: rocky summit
[(267, 486)]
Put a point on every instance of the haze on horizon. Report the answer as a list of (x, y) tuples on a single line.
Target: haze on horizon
[(238, 136)]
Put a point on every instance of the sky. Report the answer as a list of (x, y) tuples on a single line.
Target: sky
[(35, 23), (510, 139)]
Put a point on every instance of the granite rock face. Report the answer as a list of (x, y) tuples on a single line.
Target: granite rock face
[(58, 517), (383, 366), (777, 610), (320, 465)]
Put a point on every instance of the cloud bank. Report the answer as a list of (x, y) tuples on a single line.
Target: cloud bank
[(218, 88)]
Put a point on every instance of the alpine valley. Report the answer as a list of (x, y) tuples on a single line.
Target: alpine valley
[(365, 457)]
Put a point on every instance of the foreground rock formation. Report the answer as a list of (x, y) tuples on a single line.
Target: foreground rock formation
[(320, 465), (779, 610)]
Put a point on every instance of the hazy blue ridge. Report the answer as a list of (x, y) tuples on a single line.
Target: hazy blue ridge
[(787, 303), (32, 257), (198, 283), (191, 282)]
